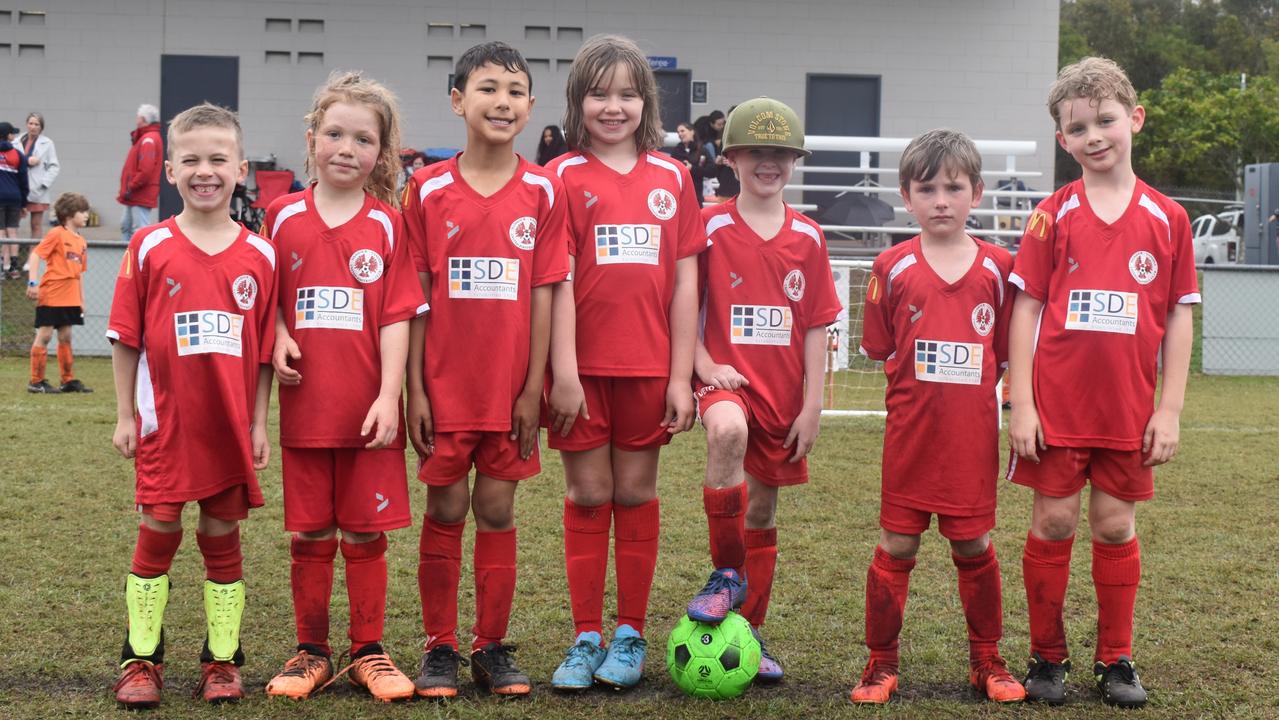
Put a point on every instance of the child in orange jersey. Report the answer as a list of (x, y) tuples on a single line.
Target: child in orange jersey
[(58, 295)]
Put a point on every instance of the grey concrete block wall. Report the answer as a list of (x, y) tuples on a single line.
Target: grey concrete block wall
[(983, 67)]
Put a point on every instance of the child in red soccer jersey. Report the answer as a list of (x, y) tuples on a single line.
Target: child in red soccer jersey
[(623, 346), (767, 297), (58, 295), (347, 292), (191, 325), (936, 311), (1107, 273), (487, 233)]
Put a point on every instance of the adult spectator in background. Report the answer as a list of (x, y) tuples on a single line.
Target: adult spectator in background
[(551, 145), (140, 178), (689, 151), (13, 196), (705, 133), (42, 170), (717, 121)]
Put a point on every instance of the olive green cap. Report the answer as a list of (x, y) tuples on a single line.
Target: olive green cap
[(764, 122)]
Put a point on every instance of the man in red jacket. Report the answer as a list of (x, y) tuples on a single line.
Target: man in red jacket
[(140, 178)]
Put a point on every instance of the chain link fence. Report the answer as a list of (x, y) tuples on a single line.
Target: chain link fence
[(17, 313), (1240, 325)]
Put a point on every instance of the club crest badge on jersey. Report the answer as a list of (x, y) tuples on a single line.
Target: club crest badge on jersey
[(245, 291), (1143, 267), (662, 204), (793, 285), (983, 319), (523, 231), (366, 265)]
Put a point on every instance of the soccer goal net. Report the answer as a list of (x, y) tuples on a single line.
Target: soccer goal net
[(854, 384)]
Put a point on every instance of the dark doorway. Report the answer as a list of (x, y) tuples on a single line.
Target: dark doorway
[(674, 88), (845, 105), (187, 80)]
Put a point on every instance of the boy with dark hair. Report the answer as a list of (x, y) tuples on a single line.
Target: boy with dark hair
[(192, 325), (936, 314), (1107, 273), (58, 295), (486, 230)]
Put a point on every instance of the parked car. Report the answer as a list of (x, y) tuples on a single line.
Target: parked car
[(1216, 237)]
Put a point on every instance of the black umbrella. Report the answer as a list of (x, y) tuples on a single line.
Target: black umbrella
[(854, 208)]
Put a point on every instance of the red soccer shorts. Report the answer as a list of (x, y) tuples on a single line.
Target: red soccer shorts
[(493, 453), (766, 460), (355, 489), (1063, 471), (230, 504), (913, 521), (625, 411)]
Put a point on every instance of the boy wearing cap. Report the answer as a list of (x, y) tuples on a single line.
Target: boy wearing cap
[(13, 196), (767, 297)]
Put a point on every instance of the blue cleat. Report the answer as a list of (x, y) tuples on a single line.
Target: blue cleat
[(770, 670), (724, 592), (624, 665), (579, 666)]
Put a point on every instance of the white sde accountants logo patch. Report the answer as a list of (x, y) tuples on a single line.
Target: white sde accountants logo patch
[(208, 331), (948, 362), (760, 324), (1102, 311), (635, 244), (484, 278), (335, 308)]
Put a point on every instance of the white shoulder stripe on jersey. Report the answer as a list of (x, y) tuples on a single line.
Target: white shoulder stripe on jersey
[(1190, 299), (1017, 280), (1070, 204), (1150, 206), (990, 265), (154, 238), (898, 269), (263, 247), (667, 164), (287, 212), (434, 184), (717, 222), (542, 182), (144, 395), (385, 221), (575, 160), (802, 227)]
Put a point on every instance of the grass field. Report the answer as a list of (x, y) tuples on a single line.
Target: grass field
[(1207, 617)]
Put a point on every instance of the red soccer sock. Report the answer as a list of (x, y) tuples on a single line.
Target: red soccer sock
[(981, 591), (761, 561), (634, 559), (726, 520), (586, 562), (494, 585), (439, 569), (39, 358), (154, 552), (1046, 571), (1116, 572), (366, 590), (65, 361), (311, 579), (887, 582), (223, 561)]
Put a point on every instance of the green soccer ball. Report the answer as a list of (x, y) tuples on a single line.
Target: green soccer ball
[(717, 662)]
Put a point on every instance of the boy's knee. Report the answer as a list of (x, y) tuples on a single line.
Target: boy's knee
[(971, 548), (162, 526), (1055, 525), (1113, 530), (761, 512), (317, 535), (726, 439), (358, 538), (448, 504), (902, 547)]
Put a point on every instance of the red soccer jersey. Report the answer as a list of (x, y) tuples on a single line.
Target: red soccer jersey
[(943, 347), (1107, 292), (202, 324), (759, 298), (627, 232), (484, 256), (338, 288)]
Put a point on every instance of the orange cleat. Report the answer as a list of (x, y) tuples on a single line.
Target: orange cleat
[(376, 673), (219, 682), (990, 676), (139, 685), (877, 686), (303, 674)]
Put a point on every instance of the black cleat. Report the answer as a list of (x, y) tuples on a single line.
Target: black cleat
[(493, 669), (1046, 681), (1118, 684), (72, 386), (438, 675), (42, 388)]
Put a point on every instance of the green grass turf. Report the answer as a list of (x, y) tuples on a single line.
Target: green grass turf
[(1207, 622)]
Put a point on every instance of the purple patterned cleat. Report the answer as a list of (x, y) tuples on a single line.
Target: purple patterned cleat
[(770, 670), (724, 592)]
